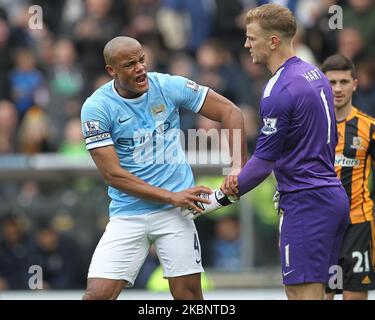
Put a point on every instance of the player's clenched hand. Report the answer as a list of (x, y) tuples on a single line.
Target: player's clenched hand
[(189, 197), (230, 184), (217, 198)]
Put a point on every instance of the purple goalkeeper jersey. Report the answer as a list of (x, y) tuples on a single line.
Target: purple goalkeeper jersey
[(298, 128)]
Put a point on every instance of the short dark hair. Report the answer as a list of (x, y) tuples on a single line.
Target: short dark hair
[(339, 62)]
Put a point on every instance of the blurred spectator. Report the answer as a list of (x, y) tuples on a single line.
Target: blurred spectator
[(73, 144), (52, 13), (172, 27), (13, 7), (318, 35), (227, 24), (308, 11), (255, 77), (181, 64), (360, 14), (14, 248), (350, 43), (8, 127), (157, 59), (227, 244), (5, 58), (197, 18), (29, 194), (65, 82), (71, 13), (26, 81), (301, 49), (44, 49), (65, 74), (100, 81), (91, 32), (34, 134), (143, 22), (218, 70), (56, 255), (21, 35), (364, 97)]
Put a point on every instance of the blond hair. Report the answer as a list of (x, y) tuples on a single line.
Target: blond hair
[(273, 18)]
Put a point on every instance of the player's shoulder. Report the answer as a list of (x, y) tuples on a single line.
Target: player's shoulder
[(364, 116), (275, 84), (99, 98), (101, 93), (302, 77), (172, 84), (163, 78), (285, 75), (302, 73)]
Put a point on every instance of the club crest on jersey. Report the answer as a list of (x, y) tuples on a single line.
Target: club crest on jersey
[(92, 127), (192, 85), (157, 110), (357, 143), (269, 126)]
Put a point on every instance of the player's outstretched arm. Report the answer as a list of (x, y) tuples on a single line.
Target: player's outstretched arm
[(107, 161), (251, 175)]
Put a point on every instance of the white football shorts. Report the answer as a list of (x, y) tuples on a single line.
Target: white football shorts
[(126, 241)]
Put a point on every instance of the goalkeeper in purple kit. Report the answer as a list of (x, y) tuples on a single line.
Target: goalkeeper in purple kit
[(297, 141)]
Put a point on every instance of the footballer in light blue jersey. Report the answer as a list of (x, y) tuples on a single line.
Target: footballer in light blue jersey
[(145, 134), (131, 128)]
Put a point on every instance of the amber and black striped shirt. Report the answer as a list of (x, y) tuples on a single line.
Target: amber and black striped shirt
[(354, 152)]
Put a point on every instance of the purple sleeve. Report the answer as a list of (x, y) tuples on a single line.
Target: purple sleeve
[(275, 112), (253, 173)]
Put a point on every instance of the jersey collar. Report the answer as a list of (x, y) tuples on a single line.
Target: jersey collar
[(126, 99), (351, 115), (289, 61)]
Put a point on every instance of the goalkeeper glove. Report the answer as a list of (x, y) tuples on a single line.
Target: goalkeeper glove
[(218, 200)]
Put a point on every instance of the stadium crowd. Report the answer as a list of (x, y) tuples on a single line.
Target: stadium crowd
[(46, 75)]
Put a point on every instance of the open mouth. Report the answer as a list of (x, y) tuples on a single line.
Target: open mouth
[(141, 80)]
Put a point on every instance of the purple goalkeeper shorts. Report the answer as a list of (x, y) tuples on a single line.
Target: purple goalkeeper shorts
[(311, 230)]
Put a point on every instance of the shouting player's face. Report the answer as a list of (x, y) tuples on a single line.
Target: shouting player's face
[(129, 71), (343, 86), (257, 43)]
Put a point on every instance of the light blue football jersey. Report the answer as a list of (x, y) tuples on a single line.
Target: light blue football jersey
[(145, 132)]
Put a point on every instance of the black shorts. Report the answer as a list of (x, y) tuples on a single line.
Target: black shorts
[(357, 258)]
